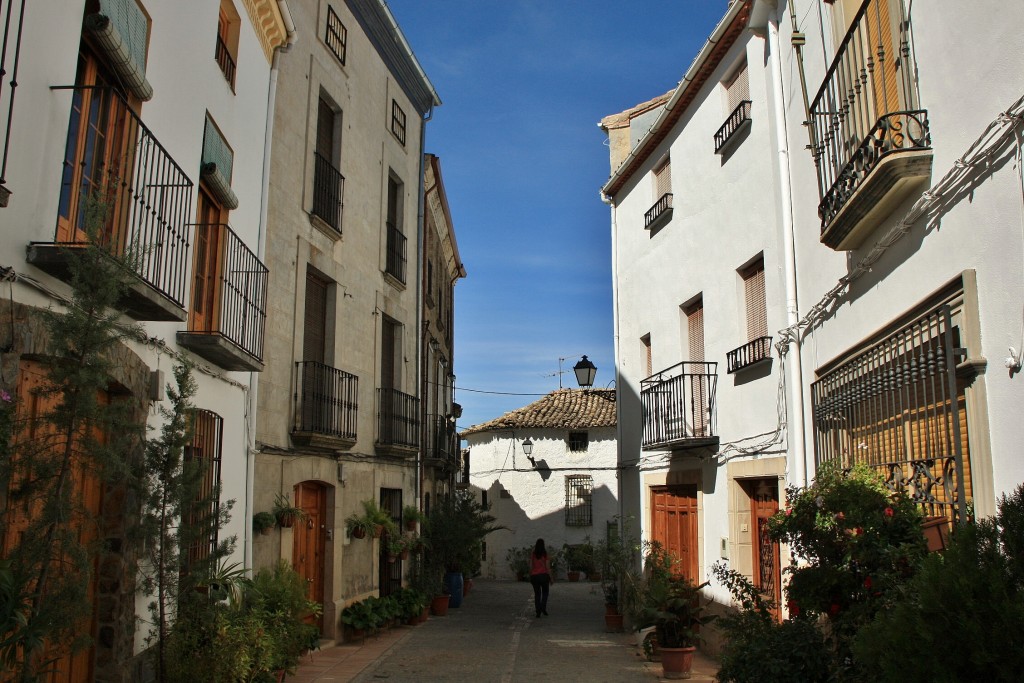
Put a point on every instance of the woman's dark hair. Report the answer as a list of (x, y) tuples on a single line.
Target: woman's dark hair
[(539, 550)]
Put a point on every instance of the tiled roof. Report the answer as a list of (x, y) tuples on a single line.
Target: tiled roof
[(562, 409), (621, 120)]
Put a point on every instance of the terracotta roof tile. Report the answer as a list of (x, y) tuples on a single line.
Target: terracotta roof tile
[(562, 409)]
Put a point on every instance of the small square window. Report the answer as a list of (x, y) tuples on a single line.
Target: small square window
[(578, 441)]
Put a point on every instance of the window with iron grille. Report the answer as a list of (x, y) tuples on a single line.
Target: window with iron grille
[(203, 456), (398, 122), (899, 407), (578, 492), (578, 441), (337, 35), (753, 293)]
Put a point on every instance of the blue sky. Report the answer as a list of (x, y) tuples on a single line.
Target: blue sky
[(524, 84)]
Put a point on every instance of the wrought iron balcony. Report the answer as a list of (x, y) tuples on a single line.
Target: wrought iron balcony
[(396, 253), (328, 191), (398, 422), (229, 301), (113, 161), (870, 140), (660, 213), (442, 444), (738, 120), (749, 354), (679, 406), (225, 61), (326, 405)]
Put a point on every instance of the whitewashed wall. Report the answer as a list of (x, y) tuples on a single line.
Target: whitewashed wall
[(535, 505)]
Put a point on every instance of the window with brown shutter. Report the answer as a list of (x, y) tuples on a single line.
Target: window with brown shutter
[(737, 88), (753, 292), (645, 349), (315, 323), (699, 388), (388, 354), (663, 180)]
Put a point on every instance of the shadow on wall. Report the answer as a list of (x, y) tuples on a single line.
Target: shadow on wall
[(523, 531)]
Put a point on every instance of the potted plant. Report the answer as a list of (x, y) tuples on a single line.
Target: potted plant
[(612, 617), (672, 606), (519, 562), (378, 520), (411, 516), (286, 513), (357, 526), (263, 522), (399, 546), (455, 530)]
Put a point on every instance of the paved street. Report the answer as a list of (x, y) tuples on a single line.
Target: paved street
[(494, 636)]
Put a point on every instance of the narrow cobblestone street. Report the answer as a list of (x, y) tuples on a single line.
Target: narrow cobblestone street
[(494, 636)]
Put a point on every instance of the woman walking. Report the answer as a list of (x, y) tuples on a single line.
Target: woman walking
[(540, 577)]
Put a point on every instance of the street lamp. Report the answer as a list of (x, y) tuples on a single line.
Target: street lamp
[(585, 372), (527, 447)]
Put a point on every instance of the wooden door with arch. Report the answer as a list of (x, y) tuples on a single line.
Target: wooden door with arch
[(309, 541)]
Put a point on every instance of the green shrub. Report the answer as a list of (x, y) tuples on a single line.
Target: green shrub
[(967, 601)]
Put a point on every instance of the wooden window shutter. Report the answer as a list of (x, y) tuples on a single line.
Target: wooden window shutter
[(753, 289), (645, 341), (695, 331), (325, 131), (738, 88), (663, 180), (387, 354), (315, 324)]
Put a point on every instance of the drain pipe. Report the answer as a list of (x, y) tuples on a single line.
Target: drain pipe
[(798, 458)]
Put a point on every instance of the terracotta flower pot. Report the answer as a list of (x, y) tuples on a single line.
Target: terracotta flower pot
[(573, 576), (359, 532), (286, 521), (613, 623), (439, 605), (676, 662)]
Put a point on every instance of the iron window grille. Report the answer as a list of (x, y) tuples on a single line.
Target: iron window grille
[(326, 400), (336, 37), (202, 515), (578, 441), (225, 61), (396, 259), (579, 490), (11, 51), (898, 408), (398, 122)]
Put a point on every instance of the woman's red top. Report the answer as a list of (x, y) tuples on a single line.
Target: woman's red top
[(539, 565)]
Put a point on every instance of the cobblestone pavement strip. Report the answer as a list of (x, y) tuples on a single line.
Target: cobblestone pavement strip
[(494, 637)]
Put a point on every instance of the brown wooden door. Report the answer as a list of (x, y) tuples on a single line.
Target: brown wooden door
[(207, 267), (34, 405), (310, 536), (674, 525), (764, 503)]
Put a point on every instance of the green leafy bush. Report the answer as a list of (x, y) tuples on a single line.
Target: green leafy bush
[(967, 601)]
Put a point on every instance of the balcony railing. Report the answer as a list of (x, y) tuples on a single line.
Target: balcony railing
[(864, 113), (737, 121), (326, 401), (442, 442), (659, 214), (749, 354), (112, 157), (10, 51), (328, 191), (233, 296), (396, 253), (398, 422), (679, 406), (225, 61)]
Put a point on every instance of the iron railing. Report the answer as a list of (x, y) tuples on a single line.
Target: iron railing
[(10, 53), (442, 441), (225, 61), (326, 400), (752, 352), (660, 208), (240, 279), (398, 421), (113, 156), (328, 191), (866, 106), (679, 405), (737, 118), (396, 252), (897, 408)]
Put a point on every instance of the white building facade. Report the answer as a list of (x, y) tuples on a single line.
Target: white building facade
[(162, 107), (892, 293), (564, 491)]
